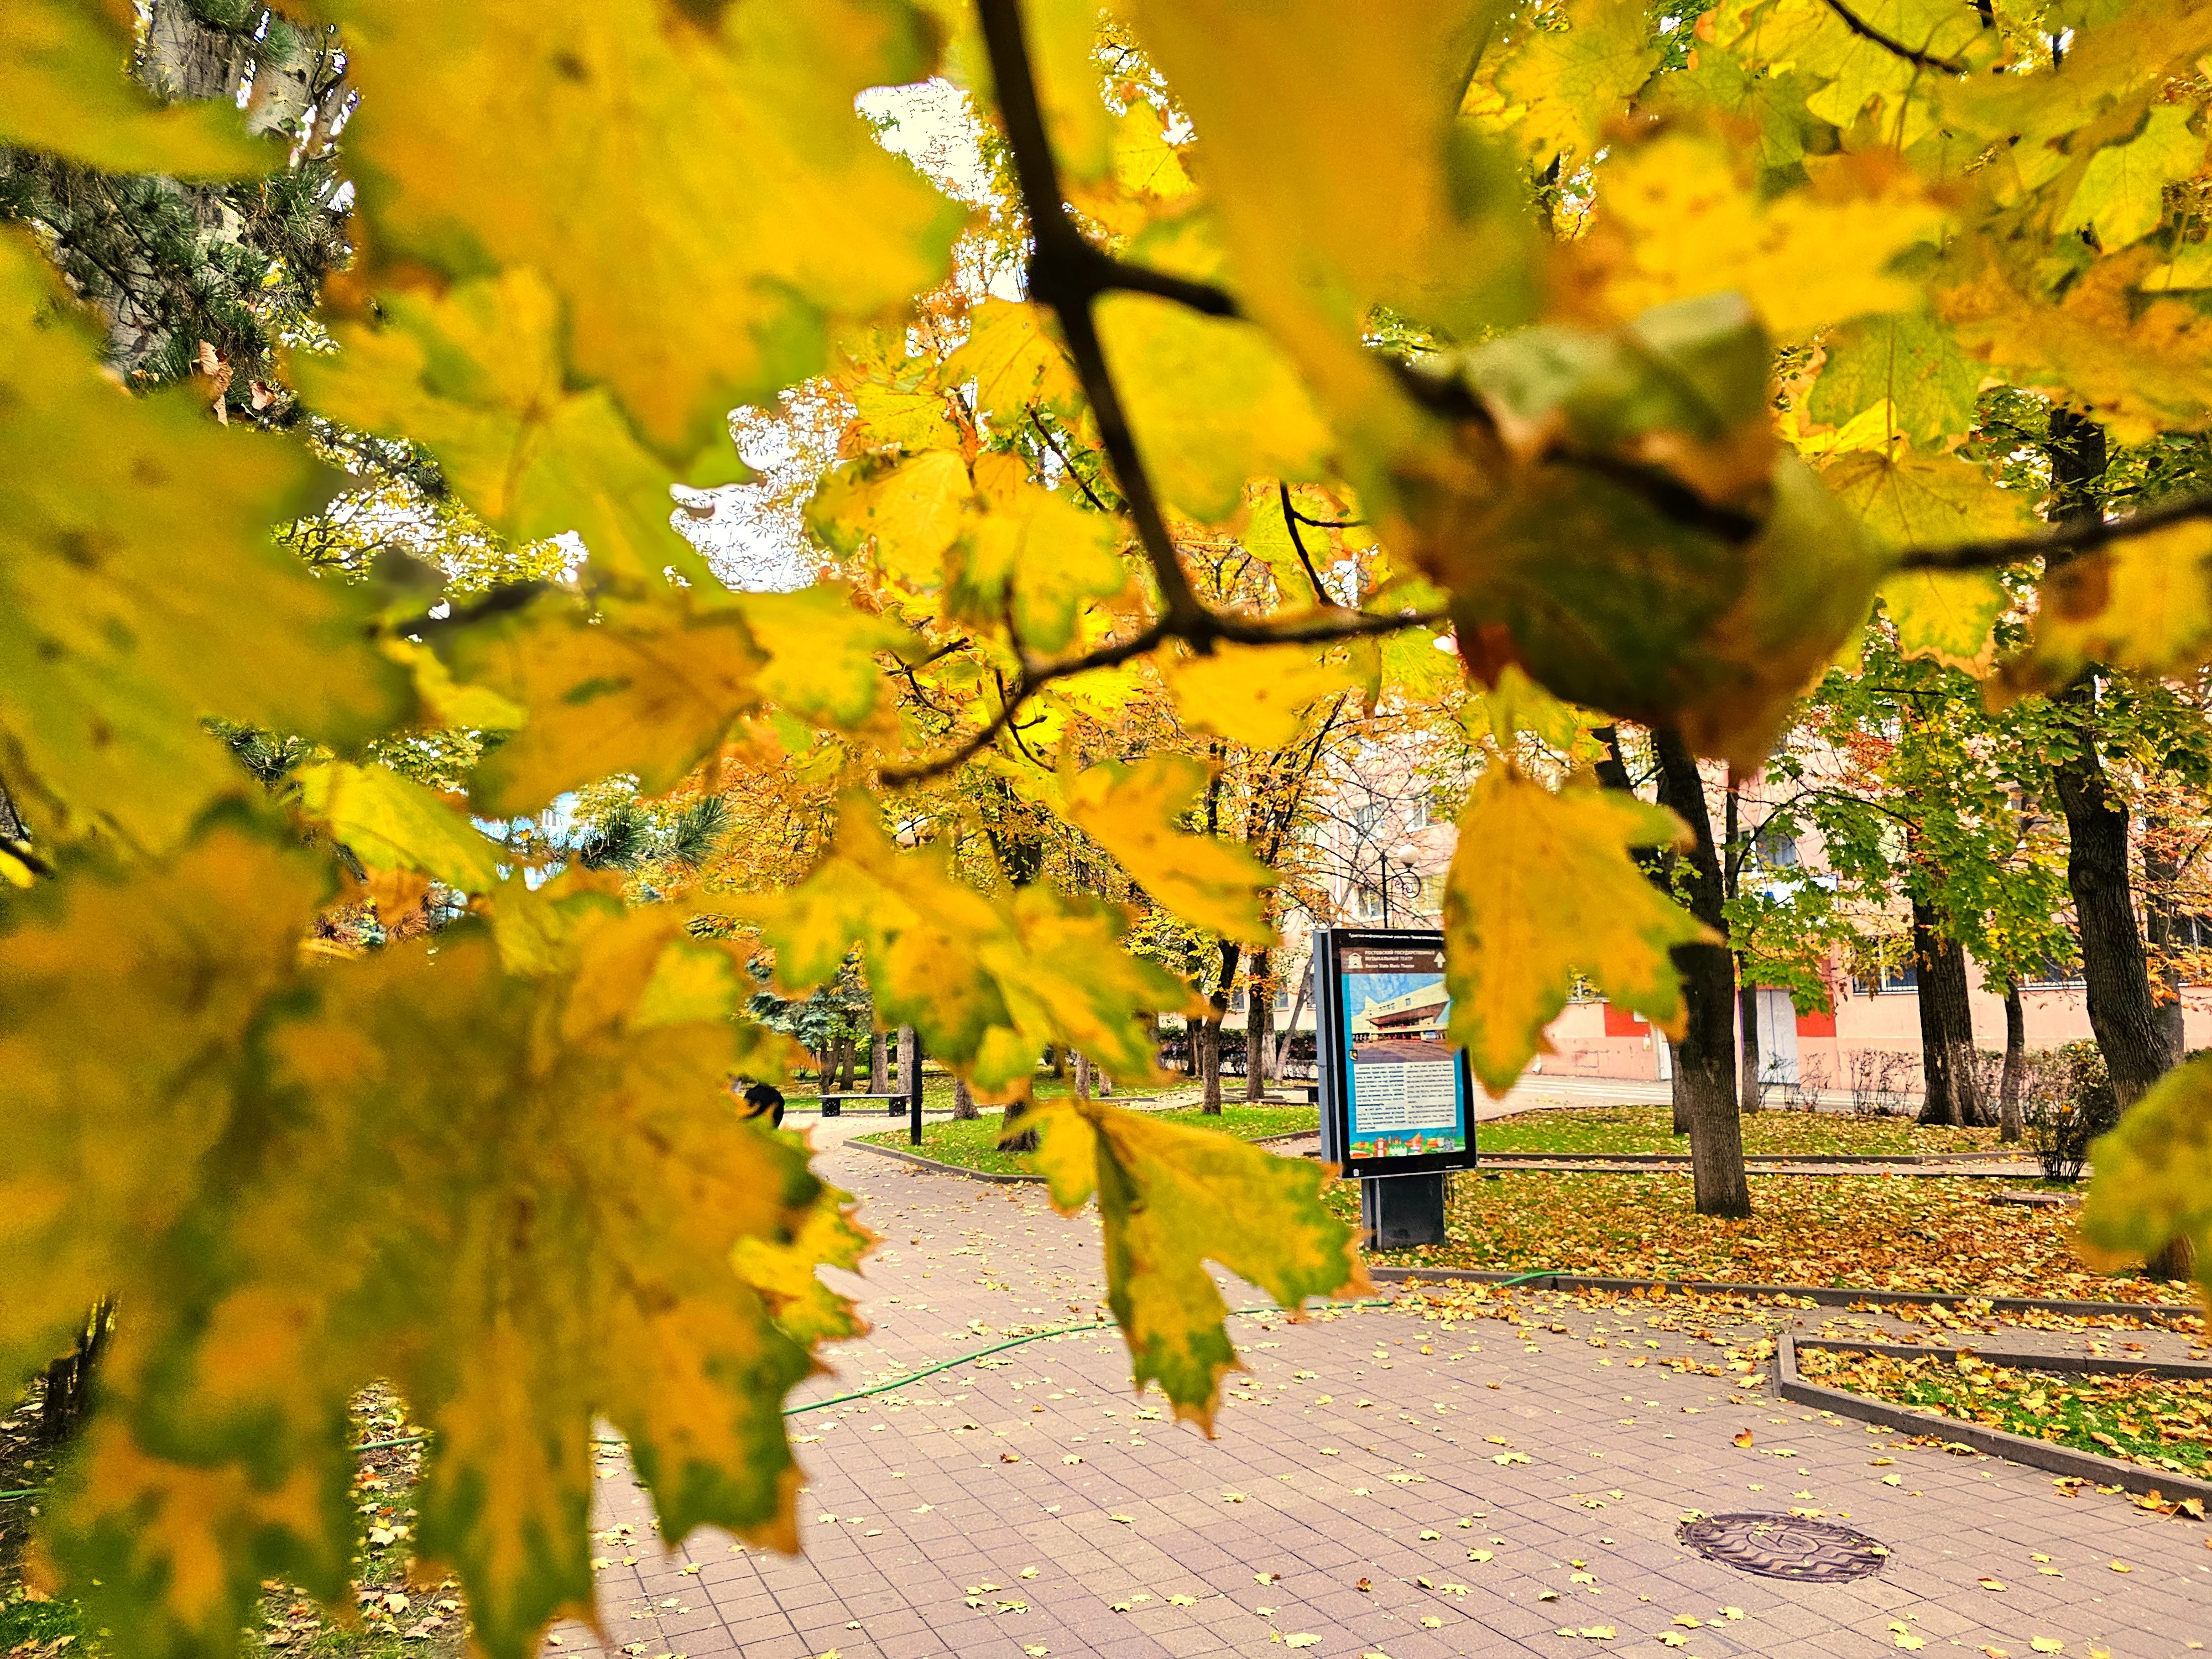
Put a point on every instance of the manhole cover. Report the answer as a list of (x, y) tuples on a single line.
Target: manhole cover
[(1785, 1546)]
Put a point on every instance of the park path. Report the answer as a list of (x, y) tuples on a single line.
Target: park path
[(1033, 1507)]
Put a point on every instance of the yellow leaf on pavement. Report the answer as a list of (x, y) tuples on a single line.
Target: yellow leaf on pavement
[(1135, 812), (1170, 1198), (1541, 889)]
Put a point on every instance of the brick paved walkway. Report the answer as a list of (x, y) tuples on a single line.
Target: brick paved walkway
[(1381, 1484)]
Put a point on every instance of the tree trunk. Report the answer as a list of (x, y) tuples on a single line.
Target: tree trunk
[(68, 1392), (1082, 1076), (2009, 1127), (186, 58), (1259, 1024), (2160, 875), (1209, 1053), (846, 1049), (1298, 1007), (1613, 774), (964, 1101), (879, 1070), (1746, 1004), (1947, 1028), (1026, 1141), (1704, 1060)]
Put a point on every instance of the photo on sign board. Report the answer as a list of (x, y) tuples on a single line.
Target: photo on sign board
[(1405, 1083)]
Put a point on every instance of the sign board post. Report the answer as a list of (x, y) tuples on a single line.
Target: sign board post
[(1397, 1102)]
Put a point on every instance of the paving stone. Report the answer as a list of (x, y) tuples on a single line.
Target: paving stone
[(1666, 1449)]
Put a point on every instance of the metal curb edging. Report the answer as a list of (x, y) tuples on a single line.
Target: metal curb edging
[(1824, 1295), (1997, 1442), (905, 1156)]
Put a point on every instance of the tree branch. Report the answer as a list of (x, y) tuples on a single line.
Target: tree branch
[(1290, 523), (26, 856), (2082, 536), (1240, 630), (1866, 31), (1067, 273)]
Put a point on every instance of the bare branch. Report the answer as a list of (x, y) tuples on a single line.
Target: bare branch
[(1315, 629), (1291, 518), (2084, 536), (26, 856), (1866, 31)]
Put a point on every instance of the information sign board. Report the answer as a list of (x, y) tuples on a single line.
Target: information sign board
[(1396, 1097)]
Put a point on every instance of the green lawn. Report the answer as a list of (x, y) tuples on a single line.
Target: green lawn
[(974, 1145), (1765, 1134), (2161, 1422), (805, 1095)]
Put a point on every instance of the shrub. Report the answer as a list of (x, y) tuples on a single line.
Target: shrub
[(2067, 1102)]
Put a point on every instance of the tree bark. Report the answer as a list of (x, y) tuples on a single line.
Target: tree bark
[(1259, 1024), (1613, 774), (2009, 1127), (1282, 1059), (1009, 1141), (1082, 1076), (68, 1392), (2160, 875), (1746, 1004), (879, 1070), (847, 1051), (1947, 1026), (1704, 1060), (964, 1101), (1209, 1072)]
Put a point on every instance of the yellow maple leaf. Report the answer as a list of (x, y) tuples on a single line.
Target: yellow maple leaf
[(1931, 500), (65, 87), (1541, 889), (1134, 812), (475, 375), (1689, 221), (695, 182), (389, 822), (1170, 1200), (1255, 694), (1212, 403), (2154, 1176), (140, 593)]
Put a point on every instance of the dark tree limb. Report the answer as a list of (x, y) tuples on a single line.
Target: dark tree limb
[(1889, 43), (1291, 520), (2083, 535)]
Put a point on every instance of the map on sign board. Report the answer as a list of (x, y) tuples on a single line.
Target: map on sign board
[(1403, 1081)]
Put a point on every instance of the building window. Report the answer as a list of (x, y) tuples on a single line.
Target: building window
[(1896, 970), (1368, 815), (1371, 904), (1236, 1001), (1283, 1000), (1776, 850)]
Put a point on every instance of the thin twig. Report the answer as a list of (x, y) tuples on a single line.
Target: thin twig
[(1081, 482), (1290, 523), (2082, 536), (1866, 31), (1035, 677)]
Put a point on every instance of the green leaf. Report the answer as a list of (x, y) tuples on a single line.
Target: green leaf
[(1171, 1199), (693, 181), (1135, 812), (1562, 80), (65, 86), (1542, 889), (1912, 360), (140, 592), (2154, 1176), (2121, 195)]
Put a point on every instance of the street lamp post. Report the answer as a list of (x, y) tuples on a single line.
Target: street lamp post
[(1405, 857)]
